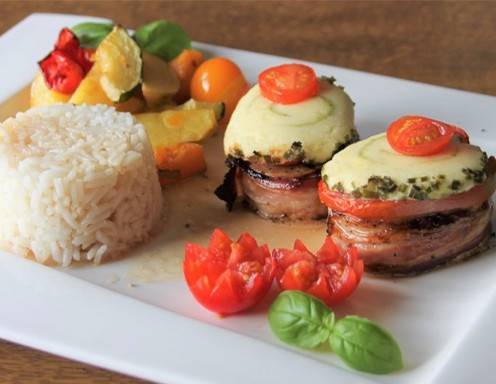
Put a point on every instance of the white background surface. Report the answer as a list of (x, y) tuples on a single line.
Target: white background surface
[(442, 320)]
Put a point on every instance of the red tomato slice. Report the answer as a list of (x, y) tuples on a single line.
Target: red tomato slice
[(421, 136), (228, 277), (376, 209), (288, 83), (329, 274), (61, 73)]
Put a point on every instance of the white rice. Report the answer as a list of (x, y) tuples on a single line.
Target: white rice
[(76, 183)]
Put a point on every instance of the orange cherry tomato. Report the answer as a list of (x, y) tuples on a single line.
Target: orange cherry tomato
[(219, 80), (329, 274), (422, 136), (288, 83), (185, 66)]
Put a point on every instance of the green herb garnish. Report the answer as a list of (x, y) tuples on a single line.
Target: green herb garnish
[(90, 35), (298, 319), (365, 346), (163, 39), (302, 320)]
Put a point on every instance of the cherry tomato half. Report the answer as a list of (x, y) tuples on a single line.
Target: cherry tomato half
[(422, 136), (329, 274), (219, 80), (228, 277), (288, 83)]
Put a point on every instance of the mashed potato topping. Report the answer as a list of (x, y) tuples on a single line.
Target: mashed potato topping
[(316, 127), (372, 166)]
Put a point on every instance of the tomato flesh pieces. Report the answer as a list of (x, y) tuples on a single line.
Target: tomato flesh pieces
[(288, 83), (228, 277), (328, 275)]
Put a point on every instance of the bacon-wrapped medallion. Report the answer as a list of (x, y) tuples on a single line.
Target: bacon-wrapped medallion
[(280, 134), (410, 213)]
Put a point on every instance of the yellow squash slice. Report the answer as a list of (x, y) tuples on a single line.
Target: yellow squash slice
[(89, 90), (173, 127), (119, 58)]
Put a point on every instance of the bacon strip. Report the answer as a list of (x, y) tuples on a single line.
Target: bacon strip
[(414, 245), (283, 199), (274, 191)]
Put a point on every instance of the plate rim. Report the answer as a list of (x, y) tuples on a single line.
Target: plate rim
[(13, 330)]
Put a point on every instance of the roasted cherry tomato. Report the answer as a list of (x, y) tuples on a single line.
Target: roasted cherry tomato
[(219, 80), (67, 42), (60, 67), (288, 83), (422, 136), (228, 277), (390, 210), (329, 275), (61, 73)]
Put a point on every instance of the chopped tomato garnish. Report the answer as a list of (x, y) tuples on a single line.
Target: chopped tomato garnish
[(422, 136), (65, 67), (61, 73), (288, 83), (228, 276), (330, 274)]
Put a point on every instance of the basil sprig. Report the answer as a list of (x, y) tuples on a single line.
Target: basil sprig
[(300, 320), (365, 346), (160, 38), (90, 35), (304, 321), (163, 39)]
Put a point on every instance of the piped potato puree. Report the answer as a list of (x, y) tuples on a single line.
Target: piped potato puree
[(263, 128), (371, 166)]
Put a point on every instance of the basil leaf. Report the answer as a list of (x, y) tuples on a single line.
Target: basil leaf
[(90, 35), (365, 346), (300, 319), (163, 39)]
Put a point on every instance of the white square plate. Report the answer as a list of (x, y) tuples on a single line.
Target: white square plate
[(107, 315)]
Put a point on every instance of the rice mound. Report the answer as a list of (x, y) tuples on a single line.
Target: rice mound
[(76, 183)]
